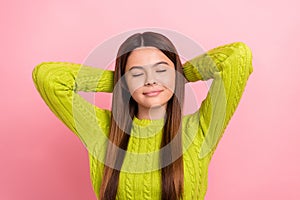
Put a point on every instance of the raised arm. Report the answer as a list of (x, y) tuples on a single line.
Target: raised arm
[(58, 84), (229, 66)]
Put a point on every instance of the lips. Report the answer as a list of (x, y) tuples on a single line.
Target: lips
[(152, 93)]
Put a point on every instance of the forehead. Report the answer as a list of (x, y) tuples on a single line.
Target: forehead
[(143, 56)]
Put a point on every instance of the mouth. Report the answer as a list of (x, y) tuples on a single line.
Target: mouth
[(152, 93)]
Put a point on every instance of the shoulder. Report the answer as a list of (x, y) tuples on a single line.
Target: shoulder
[(190, 122)]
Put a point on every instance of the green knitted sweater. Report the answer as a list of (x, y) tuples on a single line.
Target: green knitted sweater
[(229, 66)]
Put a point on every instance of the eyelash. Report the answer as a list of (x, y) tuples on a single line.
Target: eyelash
[(136, 75)]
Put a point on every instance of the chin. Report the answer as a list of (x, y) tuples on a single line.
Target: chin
[(153, 105)]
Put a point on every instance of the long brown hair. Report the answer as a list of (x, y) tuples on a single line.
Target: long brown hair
[(172, 174)]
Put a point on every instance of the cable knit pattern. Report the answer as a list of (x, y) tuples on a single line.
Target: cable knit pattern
[(229, 66)]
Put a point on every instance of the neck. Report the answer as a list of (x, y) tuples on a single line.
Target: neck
[(153, 113)]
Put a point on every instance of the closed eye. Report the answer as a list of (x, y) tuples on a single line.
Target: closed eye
[(136, 75), (163, 70)]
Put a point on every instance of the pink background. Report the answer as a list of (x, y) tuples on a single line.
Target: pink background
[(258, 157)]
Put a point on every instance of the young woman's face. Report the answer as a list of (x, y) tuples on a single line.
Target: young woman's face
[(150, 77)]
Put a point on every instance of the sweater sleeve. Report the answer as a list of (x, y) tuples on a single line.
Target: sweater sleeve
[(58, 83), (229, 66)]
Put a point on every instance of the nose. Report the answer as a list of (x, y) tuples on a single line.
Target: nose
[(150, 79), (150, 83)]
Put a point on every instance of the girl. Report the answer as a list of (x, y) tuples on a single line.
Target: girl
[(144, 148)]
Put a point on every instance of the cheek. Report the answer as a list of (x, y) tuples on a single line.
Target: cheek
[(137, 95), (168, 81), (134, 84)]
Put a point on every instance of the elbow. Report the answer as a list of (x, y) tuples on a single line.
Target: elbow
[(42, 73), (37, 71), (245, 51)]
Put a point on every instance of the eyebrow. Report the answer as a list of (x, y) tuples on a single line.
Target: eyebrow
[(141, 67)]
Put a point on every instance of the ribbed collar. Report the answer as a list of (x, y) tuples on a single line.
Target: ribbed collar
[(145, 128)]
